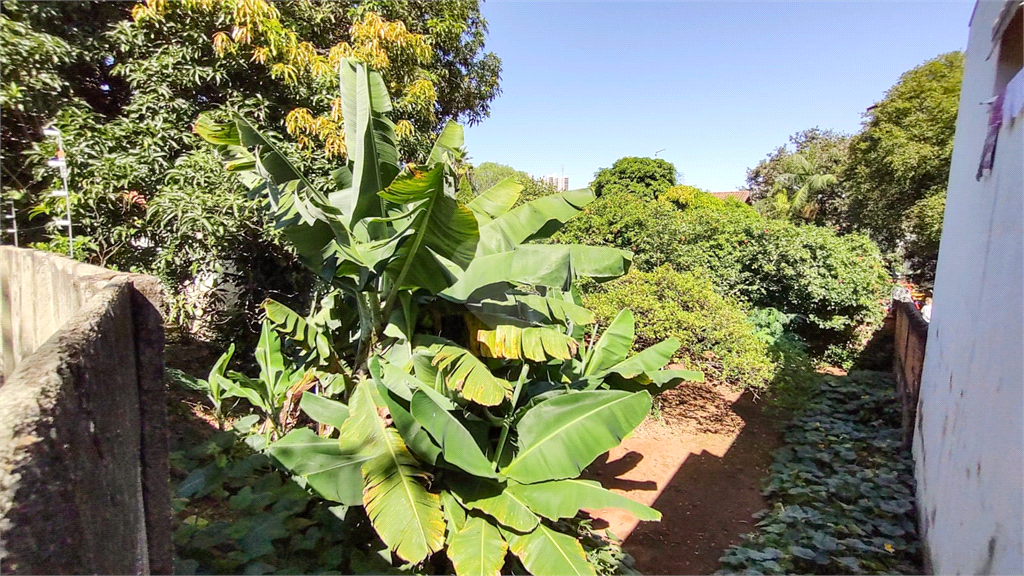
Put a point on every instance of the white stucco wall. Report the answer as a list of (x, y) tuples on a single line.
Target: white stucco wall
[(970, 431)]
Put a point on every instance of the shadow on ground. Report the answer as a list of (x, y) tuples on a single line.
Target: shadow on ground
[(707, 504)]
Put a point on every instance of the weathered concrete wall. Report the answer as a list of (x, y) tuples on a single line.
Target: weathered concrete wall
[(911, 336), (969, 443), (83, 435)]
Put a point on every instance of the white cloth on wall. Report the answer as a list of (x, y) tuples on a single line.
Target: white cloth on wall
[(1013, 102)]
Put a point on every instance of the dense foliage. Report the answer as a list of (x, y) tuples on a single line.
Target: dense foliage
[(644, 177), (901, 159), (842, 489), (825, 152), (124, 83), (650, 228), (443, 364), (834, 283), (714, 331)]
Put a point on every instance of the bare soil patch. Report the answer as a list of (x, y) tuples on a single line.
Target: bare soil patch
[(701, 464)]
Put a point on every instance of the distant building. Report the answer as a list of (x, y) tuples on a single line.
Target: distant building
[(560, 183), (741, 195)]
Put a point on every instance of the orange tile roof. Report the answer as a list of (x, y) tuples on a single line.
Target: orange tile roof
[(741, 195)]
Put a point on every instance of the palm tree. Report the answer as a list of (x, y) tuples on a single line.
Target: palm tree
[(796, 190)]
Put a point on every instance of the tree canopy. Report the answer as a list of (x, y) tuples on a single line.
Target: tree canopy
[(814, 152), (641, 176), (899, 163), (125, 82)]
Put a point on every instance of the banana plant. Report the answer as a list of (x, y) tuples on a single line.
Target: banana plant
[(214, 386), (471, 404), (440, 472)]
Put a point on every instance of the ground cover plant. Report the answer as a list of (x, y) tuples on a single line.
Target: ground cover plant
[(841, 489), (455, 396)]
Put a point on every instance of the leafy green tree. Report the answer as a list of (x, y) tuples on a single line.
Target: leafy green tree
[(825, 151), (902, 157), (924, 227), (455, 357), (646, 177), (125, 83)]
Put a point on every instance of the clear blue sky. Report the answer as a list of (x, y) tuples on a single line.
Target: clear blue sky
[(718, 85)]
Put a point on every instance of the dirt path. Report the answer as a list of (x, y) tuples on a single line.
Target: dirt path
[(702, 467)]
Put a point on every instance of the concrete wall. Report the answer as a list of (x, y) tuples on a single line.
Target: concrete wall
[(83, 437), (911, 337), (969, 445)]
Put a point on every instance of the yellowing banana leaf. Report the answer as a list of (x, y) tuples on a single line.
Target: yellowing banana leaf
[(565, 498), (536, 344), (466, 373), (406, 516), (478, 549), (559, 437), (545, 552)]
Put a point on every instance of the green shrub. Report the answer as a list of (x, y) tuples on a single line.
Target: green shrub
[(835, 283), (651, 229), (715, 334), (795, 377), (689, 197)]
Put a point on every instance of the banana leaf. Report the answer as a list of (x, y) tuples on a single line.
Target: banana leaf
[(333, 472), (496, 200), (565, 498), (478, 549), (560, 437), (552, 265), (538, 218), (370, 140), (493, 499), (613, 346), (406, 516), (538, 344), (545, 552)]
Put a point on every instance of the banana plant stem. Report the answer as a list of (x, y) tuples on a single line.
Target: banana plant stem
[(508, 421)]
